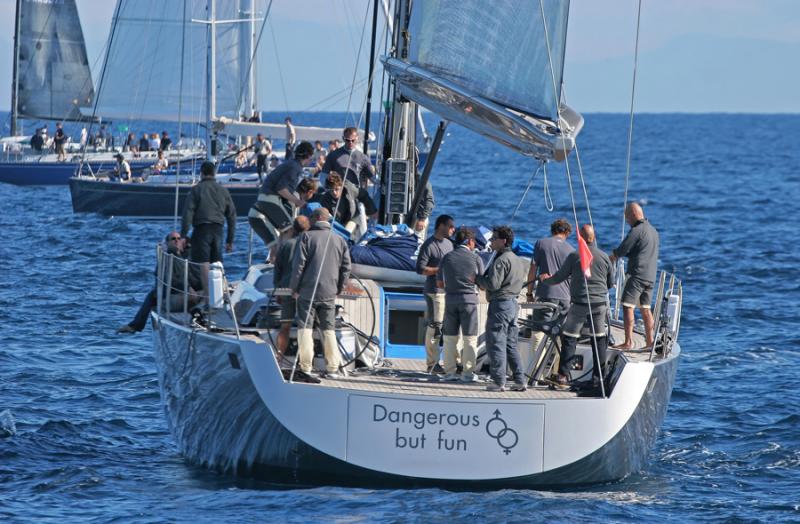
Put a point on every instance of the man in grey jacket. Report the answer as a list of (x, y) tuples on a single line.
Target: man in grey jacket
[(589, 297), (504, 280), (457, 274), (320, 268), (641, 247)]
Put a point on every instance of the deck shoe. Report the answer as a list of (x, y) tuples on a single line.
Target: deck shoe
[(450, 377), (127, 328), (495, 388), (333, 376), (436, 369), (518, 387), (470, 377)]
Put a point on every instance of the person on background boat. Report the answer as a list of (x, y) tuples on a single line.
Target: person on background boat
[(175, 246), (155, 142), (144, 143), (84, 137), (165, 144), (274, 208), (320, 269), (353, 166), (255, 117), (319, 156), (282, 276), (504, 280), (430, 256), (161, 164), (339, 201), (549, 255), (589, 304), (208, 206), (60, 140), (641, 247), (262, 149), (122, 171), (291, 138), (37, 141), (456, 276)]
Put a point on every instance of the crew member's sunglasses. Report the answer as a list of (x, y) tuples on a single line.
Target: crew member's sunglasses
[(174, 238)]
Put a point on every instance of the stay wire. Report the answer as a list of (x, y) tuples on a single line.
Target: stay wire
[(525, 193), (332, 231), (630, 123), (572, 195)]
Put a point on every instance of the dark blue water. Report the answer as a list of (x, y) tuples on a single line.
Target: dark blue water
[(82, 436)]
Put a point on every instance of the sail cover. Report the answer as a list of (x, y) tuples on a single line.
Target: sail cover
[(486, 66), (53, 75), (142, 73)]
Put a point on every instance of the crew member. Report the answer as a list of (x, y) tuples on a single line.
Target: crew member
[(353, 166), (429, 259), (339, 202), (641, 247), (456, 276), (504, 280), (320, 269), (282, 275), (548, 255), (208, 207), (589, 304), (272, 212), (59, 140)]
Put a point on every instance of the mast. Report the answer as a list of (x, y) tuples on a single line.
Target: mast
[(211, 86), (251, 80), (370, 77), (15, 74)]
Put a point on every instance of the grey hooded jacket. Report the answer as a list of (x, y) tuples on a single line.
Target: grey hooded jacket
[(311, 258)]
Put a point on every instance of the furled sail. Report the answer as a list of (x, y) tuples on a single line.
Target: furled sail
[(142, 73), (486, 66), (53, 75)]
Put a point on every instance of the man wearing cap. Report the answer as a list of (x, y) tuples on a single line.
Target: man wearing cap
[(208, 206), (641, 247), (456, 276), (503, 280), (272, 212)]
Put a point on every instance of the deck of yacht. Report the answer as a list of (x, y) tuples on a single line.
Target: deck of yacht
[(408, 377)]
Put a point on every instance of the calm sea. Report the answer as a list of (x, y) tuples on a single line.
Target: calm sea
[(83, 438)]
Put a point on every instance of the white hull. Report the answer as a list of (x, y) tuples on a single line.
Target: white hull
[(230, 408)]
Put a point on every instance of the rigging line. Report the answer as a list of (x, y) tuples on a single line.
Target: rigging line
[(278, 61), (338, 94), (100, 84), (332, 230), (253, 55), (548, 198), (358, 59), (595, 350), (525, 193), (630, 123), (180, 121)]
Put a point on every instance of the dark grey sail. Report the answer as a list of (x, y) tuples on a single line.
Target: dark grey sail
[(494, 67), (53, 75)]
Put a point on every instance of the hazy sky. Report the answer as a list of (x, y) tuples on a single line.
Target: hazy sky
[(695, 55)]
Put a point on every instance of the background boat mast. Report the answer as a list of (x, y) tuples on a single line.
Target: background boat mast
[(211, 86), (15, 74)]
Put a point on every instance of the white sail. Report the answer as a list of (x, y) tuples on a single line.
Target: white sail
[(494, 67), (142, 74), (53, 75)]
